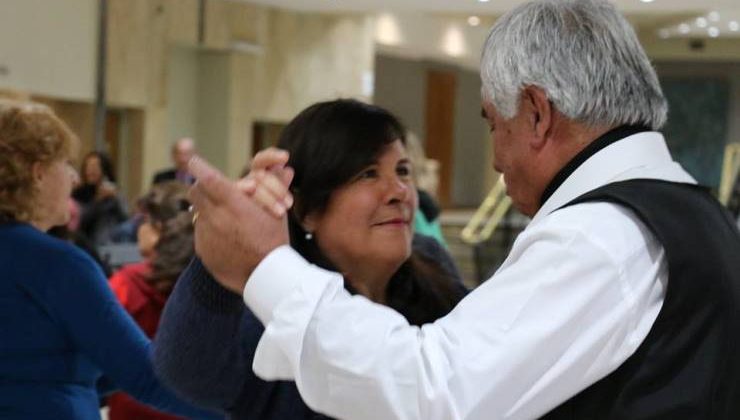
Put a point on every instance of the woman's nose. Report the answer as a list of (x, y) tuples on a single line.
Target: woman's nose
[(397, 190)]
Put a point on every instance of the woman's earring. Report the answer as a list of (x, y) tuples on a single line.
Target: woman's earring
[(309, 236)]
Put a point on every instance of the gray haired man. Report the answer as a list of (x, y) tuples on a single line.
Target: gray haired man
[(619, 300)]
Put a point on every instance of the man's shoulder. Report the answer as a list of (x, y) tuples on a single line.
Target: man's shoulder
[(615, 229), (164, 175)]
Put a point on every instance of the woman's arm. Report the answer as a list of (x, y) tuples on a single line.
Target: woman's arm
[(205, 347), (202, 347), (79, 298)]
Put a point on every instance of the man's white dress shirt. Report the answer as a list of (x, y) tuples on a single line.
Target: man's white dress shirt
[(576, 296)]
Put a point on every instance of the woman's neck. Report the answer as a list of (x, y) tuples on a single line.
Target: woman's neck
[(371, 280), (41, 225)]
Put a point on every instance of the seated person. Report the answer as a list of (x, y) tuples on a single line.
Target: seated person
[(102, 209), (165, 239)]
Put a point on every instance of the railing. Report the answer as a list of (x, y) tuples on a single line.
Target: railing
[(485, 220), (730, 169)]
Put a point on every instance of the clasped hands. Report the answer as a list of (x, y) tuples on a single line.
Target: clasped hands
[(240, 222)]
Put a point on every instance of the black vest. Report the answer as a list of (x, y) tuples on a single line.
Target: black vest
[(688, 367)]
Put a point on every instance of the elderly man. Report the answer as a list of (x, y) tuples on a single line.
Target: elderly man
[(182, 151), (619, 300)]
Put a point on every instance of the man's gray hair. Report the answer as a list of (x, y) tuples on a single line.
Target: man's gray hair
[(582, 53)]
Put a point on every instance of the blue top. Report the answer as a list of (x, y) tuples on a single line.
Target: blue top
[(62, 328), (207, 338)]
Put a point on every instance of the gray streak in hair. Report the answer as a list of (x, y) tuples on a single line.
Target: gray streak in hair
[(582, 53)]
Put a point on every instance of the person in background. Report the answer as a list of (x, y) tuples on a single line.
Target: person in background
[(70, 232), (62, 328), (426, 221), (182, 151), (102, 208), (620, 300), (166, 241), (355, 203)]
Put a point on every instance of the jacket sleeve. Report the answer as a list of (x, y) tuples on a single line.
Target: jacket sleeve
[(80, 299), (206, 340)]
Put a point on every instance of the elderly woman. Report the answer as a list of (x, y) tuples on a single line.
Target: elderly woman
[(62, 327), (353, 213)]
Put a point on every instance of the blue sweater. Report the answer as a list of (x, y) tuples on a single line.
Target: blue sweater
[(206, 342), (62, 329)]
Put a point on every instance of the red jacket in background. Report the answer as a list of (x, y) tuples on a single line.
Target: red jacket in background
[(145, 305)]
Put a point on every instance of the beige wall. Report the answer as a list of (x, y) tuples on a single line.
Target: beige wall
[(216, 91), (213, 96), (311, 57), (182, 81), (48, 47)]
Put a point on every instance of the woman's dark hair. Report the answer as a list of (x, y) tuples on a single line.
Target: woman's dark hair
[(166, 206), (106, 166), (330, 143), (85, 193)]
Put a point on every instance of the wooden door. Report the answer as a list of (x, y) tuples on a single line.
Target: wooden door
[(440, 126)]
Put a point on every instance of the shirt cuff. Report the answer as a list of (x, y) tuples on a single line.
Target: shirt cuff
[(274, 279)]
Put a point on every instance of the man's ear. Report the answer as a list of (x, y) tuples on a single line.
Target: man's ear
[(542, 114)]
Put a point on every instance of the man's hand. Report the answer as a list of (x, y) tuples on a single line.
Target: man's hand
[(232, 233)]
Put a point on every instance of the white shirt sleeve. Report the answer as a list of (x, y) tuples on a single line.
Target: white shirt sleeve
[(564, 310)]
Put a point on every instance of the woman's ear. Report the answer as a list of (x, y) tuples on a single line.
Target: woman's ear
[(39, 170), (310, 222)]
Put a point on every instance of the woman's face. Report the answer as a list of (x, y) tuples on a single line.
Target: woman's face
[(147, 237), (54, 182), (93, 171), (369, 220)]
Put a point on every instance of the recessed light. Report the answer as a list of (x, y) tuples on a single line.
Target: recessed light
[(734, 26), (684, 28), (646, 1), (473, 21), (713, 16), (701, 22), (713, 31), (483, 1)]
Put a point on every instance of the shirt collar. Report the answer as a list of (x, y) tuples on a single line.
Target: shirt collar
[(610, 137), (640, 155)]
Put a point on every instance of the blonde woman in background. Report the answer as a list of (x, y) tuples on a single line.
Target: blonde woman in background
[(62, 329)]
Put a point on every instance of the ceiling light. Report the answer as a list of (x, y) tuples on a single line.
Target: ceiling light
[(701, 22), (453, 42), (684, 28), (646, 1), (713, 31), (473, 21), (734, 26), (387, 30), (713, 16), (483, 1)]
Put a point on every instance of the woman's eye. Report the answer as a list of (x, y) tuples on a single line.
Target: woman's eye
[(403, 171), (367, 174)]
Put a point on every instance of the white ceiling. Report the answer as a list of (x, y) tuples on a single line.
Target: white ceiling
[(491, 7)]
